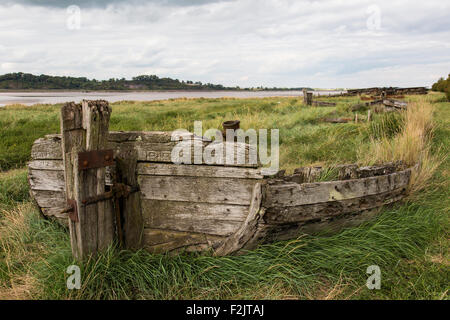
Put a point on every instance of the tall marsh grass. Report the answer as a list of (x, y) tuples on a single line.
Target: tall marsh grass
[(411, 143)]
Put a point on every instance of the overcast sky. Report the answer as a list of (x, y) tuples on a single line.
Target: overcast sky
[(284, 43)]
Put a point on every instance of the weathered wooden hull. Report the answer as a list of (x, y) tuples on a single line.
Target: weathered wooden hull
[(221, 208)]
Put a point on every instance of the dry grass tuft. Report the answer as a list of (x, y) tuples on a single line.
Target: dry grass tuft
[(411, 145)]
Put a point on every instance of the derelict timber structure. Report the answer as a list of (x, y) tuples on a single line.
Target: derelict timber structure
[(122, 187)]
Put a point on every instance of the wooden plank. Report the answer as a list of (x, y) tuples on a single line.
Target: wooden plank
[(46, 148), (157, 241), (49, 199), (149, 136), (56, 165), (215, 219), (163, 169), (46, 180), (55, 212), (197, 189), (293, 194), (148, 150), (311, 212), (247, 229)]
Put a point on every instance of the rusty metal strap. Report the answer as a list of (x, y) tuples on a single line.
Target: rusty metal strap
[(95, 159), (119, 190)]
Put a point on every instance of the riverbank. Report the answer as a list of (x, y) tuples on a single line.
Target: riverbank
[(61, 96)]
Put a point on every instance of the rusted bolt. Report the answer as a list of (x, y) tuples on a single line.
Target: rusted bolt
[(85, 163), (107, 157)]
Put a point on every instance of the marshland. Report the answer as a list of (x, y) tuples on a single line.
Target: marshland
[(408, 240)]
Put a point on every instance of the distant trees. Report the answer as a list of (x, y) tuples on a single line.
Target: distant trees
[(442, 85), (20, 81), (24, 81)]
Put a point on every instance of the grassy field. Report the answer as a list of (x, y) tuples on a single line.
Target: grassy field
[(409, 241)]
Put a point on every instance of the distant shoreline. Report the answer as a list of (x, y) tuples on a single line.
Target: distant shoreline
[(32, 97)]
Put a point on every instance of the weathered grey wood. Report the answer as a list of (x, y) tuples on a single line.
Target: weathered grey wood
[(55, 212), (46, 180), (70, 142), (215, 219), (85, 128), (248, 228), (395, 104), (133, 223), (47, 148), (150, 136), (308, 174), (197, 189), (324, 103), (56, 165), (309, 98), (165, 169), (49, 199), (148, 148), (311, 212), (293, 194), (157, 240)]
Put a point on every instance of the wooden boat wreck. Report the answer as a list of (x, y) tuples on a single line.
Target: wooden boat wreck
[(196, 207)]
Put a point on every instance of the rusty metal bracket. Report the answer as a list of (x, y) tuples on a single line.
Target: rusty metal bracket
[(95, 159), (72, 210)]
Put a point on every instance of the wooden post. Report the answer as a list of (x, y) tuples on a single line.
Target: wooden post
[(305, 96), (309, 98), (84, 127), (131, 219)]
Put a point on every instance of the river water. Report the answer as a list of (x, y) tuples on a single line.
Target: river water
[(51, 97)]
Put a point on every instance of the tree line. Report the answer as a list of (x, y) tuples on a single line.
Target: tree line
[(23, 81), (27, 81)]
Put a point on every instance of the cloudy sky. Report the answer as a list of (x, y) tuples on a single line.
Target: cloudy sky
[(327, 44)]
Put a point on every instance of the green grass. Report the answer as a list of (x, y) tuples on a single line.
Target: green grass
[(304, 139), (409, 241)]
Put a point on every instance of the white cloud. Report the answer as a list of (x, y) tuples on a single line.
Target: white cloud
[(270, 42)]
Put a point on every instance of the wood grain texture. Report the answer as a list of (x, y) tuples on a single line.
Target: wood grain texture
[(152, 147), (215, 219), (163, 169), (293, 194), (248, 228), (197, 189), (157, 241), (131, 211), (55, 165), (46, 180), (85, 128), (311, 212)]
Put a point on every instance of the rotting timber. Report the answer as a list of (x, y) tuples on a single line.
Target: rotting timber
[(143, 200)]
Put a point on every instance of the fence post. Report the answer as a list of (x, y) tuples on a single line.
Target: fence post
[(84, 128), (307, 97)]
